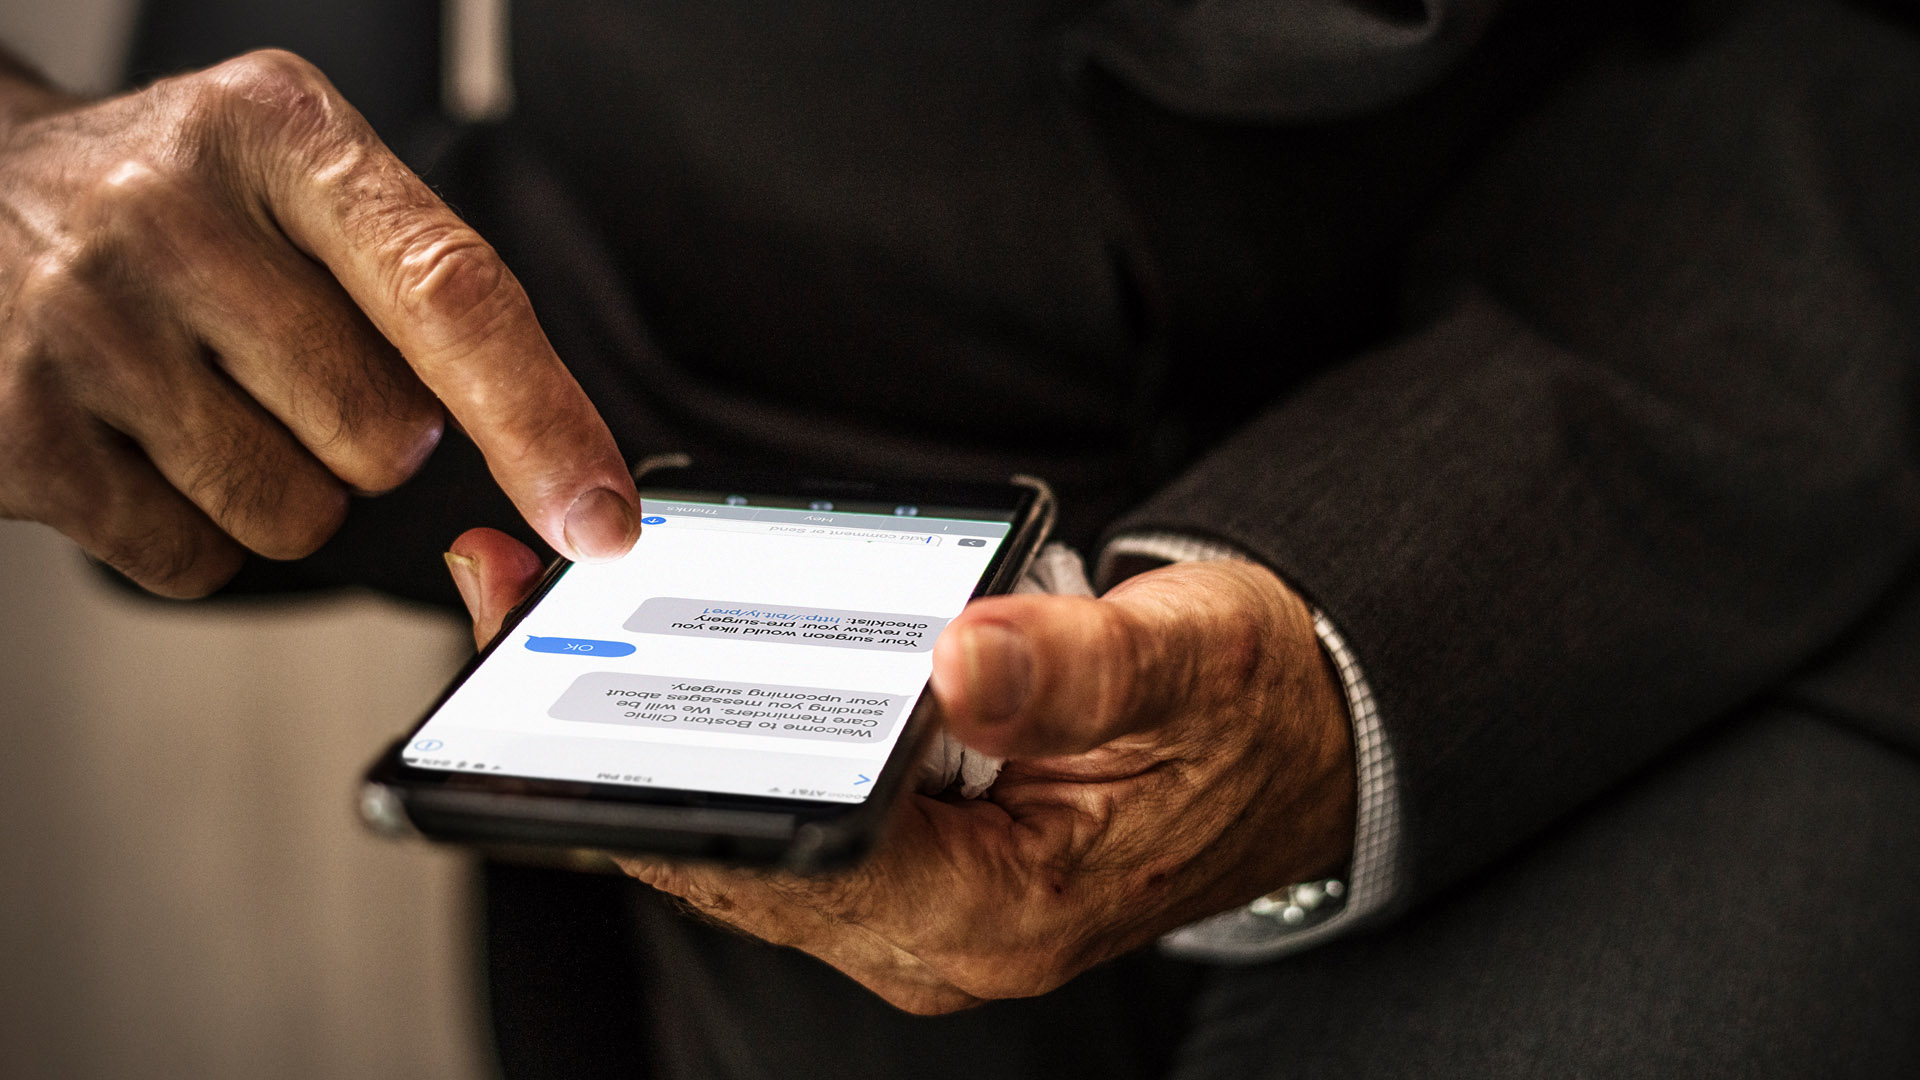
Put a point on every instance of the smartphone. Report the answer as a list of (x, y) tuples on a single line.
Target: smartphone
[(748, 685)]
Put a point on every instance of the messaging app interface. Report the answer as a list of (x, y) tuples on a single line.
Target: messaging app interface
[(748, 645)]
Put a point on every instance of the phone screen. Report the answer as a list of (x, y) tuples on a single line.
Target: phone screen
[(750, 644)]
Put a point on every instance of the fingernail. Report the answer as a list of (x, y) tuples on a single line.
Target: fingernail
[(466, 578), (999, 669), (601, 525)]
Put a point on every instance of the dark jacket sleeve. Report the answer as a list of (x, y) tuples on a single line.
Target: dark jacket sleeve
[(1655, 445)]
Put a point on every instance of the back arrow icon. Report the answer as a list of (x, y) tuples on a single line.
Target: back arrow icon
[(863, 780)]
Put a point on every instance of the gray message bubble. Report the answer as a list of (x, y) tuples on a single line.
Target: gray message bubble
[(787, 712), (880, 631)]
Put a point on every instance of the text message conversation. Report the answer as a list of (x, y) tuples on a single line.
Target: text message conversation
[(744, 646)]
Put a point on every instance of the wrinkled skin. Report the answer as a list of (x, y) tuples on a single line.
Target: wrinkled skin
[(224, 305), (1178, 747)]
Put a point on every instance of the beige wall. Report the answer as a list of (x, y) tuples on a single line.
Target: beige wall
[(80, 44), (184, 891)]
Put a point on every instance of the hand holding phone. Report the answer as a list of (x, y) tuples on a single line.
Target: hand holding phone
[(1180, 747)]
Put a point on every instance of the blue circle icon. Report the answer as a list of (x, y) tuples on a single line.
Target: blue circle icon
[(428, 746), (655, 520), (578, 646)]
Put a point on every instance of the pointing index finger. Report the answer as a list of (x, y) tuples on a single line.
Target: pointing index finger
[(447, 302)]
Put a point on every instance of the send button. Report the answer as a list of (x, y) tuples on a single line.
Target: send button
[(578, 646)]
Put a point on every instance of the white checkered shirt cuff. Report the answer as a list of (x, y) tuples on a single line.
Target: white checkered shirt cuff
[(1244, 934)]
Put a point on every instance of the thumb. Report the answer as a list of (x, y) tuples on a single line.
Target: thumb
[(493, 572), (1037, 676)]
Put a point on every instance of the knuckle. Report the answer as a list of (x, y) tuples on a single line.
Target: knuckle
[(276, 82), (139, 225), (380, 464), (270, 91), (451, 280), (299, 534), (184, 564), (55, 290), (131, 191), (135, 182), (370, 418), (49, 301), (131, 230), (284, 513), (269, 68), (401, 421)]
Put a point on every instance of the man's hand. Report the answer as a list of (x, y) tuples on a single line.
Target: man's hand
[(224, 304), (1177, 747)]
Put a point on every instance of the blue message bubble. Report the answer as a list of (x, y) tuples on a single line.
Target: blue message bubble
[(578, 646)]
